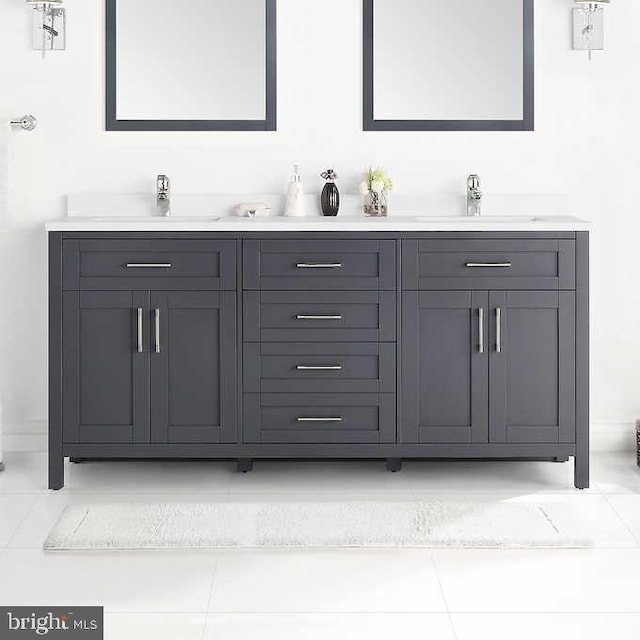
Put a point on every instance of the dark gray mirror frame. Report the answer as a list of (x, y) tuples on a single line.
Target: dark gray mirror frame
[(268, 124), (526, 124)]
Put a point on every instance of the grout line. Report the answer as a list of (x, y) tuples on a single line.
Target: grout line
[(210, 597), (622, 520), (444, 597), (36, 498), (378, 613), (373, 614)]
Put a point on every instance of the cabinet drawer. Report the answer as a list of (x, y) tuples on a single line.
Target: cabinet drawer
[(319, 368), (319, 264), (321, 316), (319, 418), (488, 264), (150, 264)]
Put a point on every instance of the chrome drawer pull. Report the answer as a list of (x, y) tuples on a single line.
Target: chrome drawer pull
[(302, 419), (481, 330), (140, 331), (489, 265), (304, 317), (157, 318), (311, 265), (140, 265), (307, 367), (498, 330)]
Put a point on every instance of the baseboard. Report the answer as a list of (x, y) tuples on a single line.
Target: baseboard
[(605, 436), (28, 438), (613, 436)]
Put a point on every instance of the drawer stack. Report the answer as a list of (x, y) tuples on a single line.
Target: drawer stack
[(319, 341)]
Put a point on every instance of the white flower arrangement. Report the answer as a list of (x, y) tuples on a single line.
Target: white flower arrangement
[(375, 181)]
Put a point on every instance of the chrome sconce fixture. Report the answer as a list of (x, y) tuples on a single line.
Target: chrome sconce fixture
[(49, 25), (588, 25)]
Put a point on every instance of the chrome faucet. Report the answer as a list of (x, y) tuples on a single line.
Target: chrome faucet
[(474, 196), (163, 202)]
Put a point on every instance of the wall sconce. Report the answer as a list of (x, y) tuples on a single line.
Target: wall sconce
[(588, 25), (49, 28)]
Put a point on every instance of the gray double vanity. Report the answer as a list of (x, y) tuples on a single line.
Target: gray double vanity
[(407, 337), (398, 338)]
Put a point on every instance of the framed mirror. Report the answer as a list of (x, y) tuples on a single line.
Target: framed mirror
[(194, 65), (452, 65)]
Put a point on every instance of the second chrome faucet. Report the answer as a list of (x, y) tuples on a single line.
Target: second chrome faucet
[(163, 201), (474, 195)]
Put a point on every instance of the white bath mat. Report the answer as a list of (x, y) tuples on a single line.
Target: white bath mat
[(309, 524)]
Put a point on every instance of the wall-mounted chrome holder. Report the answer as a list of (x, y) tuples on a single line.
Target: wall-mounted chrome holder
[(27, 123)]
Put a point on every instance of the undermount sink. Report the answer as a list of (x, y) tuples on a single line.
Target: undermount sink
[(155, 219), (476, 219)]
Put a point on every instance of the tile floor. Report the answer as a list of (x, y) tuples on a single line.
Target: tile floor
[(443, 594)]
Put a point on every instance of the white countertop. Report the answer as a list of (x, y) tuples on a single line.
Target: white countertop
[(404, 223)]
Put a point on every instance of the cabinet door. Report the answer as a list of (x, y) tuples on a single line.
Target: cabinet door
[(193, 367), (445, 371), (532, 367), (105, 367)]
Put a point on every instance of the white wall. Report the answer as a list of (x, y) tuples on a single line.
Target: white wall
[(586, 144)]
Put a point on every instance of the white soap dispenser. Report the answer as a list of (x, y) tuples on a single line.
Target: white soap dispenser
[(294, 206)]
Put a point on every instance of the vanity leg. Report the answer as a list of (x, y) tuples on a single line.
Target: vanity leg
[(394, 465), (56, 471), (581, 473), (56, 454), (582, 361), (244, 465)]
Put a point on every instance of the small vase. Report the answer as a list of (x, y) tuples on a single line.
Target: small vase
[(376, 204), (330, 200)]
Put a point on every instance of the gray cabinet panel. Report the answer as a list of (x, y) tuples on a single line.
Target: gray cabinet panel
[(319, 367), (532, 369), (152, 264), (489, 264), (104, 376), (319, 419), (319, 264), (320, 316), (445, 366), (193, 367), (582, 436)]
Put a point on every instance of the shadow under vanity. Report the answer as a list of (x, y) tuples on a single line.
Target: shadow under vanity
[(385, 345)]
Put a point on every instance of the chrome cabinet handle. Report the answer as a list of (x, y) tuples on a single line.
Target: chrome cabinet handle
[(498, 330), (489, 265), (157, 320), (303, 419), (142, 265), (481, 330), (140, 330), (330, 367), (319, 265), (305, 317)]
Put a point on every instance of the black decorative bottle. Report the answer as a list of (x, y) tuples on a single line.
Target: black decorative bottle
[(330, 195)]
